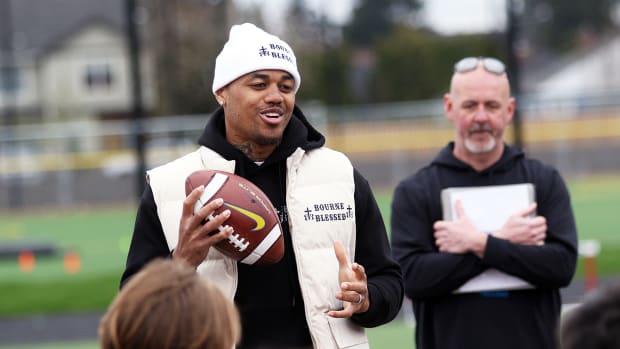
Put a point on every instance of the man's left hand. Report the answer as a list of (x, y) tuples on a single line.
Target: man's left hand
[(353, 286), (460, 235)]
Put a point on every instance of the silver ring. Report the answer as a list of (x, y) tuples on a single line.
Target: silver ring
[(360, 300)]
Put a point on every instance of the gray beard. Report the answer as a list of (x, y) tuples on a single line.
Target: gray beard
[(479, 149)]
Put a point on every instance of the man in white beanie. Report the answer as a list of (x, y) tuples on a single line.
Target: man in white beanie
[(337, 275)]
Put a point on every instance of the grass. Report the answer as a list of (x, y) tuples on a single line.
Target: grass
[(59, 296), (396, 334), (596, 203), (101, 238)]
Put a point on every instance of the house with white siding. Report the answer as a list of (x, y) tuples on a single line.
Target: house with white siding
[(69, 60)]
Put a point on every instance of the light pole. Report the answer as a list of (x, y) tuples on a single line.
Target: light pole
[(8, 73), (513, 67), (8, 90), (133, 43)]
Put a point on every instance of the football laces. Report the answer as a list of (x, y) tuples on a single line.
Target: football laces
[(239, 243)]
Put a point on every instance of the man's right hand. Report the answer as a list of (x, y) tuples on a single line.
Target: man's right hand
[(520, 228), (195, 238)]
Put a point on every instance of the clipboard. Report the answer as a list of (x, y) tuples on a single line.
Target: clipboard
[(489, 207)]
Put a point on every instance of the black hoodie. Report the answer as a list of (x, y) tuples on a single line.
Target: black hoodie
[(508, 319), (269, 297)]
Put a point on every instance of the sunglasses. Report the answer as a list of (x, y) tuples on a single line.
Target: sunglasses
[(492, 65)]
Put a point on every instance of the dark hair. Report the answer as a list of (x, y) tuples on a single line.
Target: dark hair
[(167, 305), (595, 324)]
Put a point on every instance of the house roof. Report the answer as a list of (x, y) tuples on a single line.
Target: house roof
[(40, 25), (596, 57)]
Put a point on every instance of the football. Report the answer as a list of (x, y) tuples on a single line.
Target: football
[(257, 238)]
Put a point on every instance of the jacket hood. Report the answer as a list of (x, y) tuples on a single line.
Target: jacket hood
[(299, 133), (446, 158)]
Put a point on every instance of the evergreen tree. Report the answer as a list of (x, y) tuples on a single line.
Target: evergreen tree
[(561, 25), (373, 19)]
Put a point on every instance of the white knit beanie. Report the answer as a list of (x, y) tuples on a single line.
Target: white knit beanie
[(249, 49)]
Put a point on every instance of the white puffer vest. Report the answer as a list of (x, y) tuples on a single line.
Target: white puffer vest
[(321, 208)]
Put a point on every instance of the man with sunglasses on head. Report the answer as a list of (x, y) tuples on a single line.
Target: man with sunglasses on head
[(535, 245)]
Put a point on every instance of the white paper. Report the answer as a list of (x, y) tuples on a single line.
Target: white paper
[(488, 208)]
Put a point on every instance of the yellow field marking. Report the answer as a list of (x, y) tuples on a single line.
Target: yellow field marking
[(85, 161), (398, 136), (11, 231), (354, 138)]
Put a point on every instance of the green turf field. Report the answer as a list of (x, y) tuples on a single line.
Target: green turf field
[(596, 203), (101, 237)]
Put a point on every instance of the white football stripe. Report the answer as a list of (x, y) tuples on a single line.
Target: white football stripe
[(213, 187), (264, 245)]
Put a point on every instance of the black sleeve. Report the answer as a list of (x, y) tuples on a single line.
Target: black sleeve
[(426, 271), (551, 265), (148, 241), (372, 251)]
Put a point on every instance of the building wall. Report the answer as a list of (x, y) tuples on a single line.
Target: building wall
[(65, 91)]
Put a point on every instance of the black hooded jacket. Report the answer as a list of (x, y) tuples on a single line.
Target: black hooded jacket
[(269, 297), (508, 319)]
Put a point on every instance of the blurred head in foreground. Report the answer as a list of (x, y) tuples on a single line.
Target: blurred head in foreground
[(595, 324), (167, 305)]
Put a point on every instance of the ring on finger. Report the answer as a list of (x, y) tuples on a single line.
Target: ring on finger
[(360, 299)]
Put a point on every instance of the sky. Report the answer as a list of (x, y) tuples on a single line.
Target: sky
[(444, 16), (470, 16)]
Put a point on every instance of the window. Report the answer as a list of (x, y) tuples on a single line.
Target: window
[(98, 77)]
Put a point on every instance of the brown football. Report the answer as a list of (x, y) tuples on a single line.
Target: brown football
[(257, 238)]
